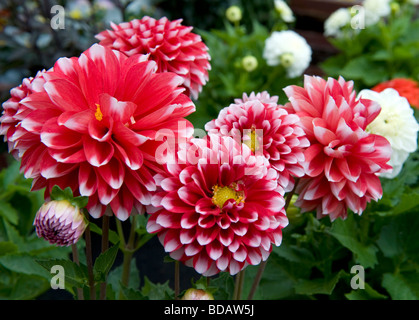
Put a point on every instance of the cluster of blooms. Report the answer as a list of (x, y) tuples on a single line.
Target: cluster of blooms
[(93, 123)]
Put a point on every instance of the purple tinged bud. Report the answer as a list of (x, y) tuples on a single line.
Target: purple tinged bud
[(60, 223)]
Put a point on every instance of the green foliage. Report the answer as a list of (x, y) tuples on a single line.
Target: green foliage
[(380, 52)]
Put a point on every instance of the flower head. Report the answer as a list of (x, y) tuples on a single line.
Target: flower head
[(407, 88), (396, 122), (375, 10), (170, 44), (220, 207), (343, 159), (234, 14), (14, 111), (249, 63), (336, 21), (268, 130), (289, 49), (60, 223), (95, 127), (284, 10)]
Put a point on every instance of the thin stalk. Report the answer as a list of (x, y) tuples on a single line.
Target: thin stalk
[(105, 246), (77, 261), (89, 261), (263, 263), (128, 251), (177, 280), (238, 287)]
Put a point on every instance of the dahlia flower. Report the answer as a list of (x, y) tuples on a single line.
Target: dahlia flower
[(59, 222), (397, 123), (14, 111), (375, 10), (407, 88), (284, 10), (220, 208), (170, 44), (336, 21), (268, 130), (94, 127), (343, 159), (289, 49)]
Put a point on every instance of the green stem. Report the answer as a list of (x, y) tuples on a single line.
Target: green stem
[(128, 254), (77, 261), (89, 261), (238, 287), (177, 280), (105, 246)]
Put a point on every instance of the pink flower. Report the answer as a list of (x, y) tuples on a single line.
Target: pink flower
[(173, 46), (14, 111), (268, 130), (60, 223), (343, 160), (95, 128), (220, 207)]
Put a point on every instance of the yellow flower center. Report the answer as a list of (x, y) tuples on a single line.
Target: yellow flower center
[(222, 194), (252, 143), (98, 113)]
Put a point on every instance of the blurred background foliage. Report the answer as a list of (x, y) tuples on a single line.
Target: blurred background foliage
[(315, 258)]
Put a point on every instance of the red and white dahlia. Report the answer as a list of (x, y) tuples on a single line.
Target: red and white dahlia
[(268, 130), (173, 46), (14, 111), (95, 128), (220, 209), (343, 159)]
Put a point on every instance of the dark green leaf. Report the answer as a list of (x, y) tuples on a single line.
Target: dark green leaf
[(318, 286), (104, 263)]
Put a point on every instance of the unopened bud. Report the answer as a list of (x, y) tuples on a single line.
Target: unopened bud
[(197, 294), (234, 14)]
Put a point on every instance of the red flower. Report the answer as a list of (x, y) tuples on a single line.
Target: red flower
[(343, 159), (173, 46), (220, 207), (407, 88), (268, 130), (93, 128), (14, 111)]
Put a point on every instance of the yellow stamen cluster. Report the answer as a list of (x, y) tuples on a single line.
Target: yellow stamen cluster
[(252, 143), (98, 113), (222, 194)]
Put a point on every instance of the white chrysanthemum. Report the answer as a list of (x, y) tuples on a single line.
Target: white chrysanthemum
[(284, 10), (336, 21), (290, 50), (396, 123), (376, 9)]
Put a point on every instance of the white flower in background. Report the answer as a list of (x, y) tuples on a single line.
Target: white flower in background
[(284, 10), (289, 49), (396, 123), (79, 9), (336, 21), (376, 9)]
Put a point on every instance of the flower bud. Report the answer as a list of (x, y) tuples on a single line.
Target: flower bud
[(234, 14), (59, 222), (249, 63), (287, 59), (197, 294)]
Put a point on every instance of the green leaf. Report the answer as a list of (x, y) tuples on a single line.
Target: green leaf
[(132, 294), (22, 263), (9, 212), (345, 231), (28, 287), (75, 275), (104, 263), (113, 236), (368, 293), (7, 247), (402, 287), (115, 275), (318, 286), (156, 291)]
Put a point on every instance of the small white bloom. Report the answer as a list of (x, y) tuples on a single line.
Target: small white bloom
[(376, 9), (289, 49), (234, 14), (249, 63), (396, 122), (284, 10), (336, 21)]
